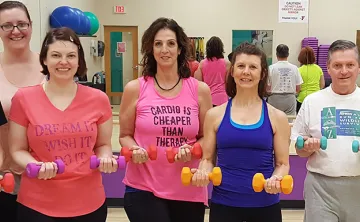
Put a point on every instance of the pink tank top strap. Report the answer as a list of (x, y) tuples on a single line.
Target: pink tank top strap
[(191, 85)]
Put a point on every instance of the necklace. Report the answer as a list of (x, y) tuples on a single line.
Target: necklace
[(157, 83)]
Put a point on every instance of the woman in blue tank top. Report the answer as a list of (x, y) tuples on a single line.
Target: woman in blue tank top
[(246, 136)]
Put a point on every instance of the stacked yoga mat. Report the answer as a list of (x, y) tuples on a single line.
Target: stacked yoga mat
[(320, 51)]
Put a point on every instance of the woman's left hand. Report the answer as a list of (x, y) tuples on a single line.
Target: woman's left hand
[(272, 185), (184, 153), (108, 164)]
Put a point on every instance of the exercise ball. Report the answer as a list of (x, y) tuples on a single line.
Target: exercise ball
[(84, 27), (65, 16), (94, 22)]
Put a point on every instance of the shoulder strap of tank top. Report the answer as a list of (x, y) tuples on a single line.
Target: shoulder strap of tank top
[(193, 85), (266, 113), (143, 84), (228, 109)]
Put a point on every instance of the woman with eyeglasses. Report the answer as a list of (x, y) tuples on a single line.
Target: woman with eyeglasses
[(19, 67)]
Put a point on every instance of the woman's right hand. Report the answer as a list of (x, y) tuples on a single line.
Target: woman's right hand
[(200, 177), (48, 170), (139, 155)]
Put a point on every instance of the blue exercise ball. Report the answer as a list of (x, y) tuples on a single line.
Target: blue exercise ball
[(65, 16), (84, 27)]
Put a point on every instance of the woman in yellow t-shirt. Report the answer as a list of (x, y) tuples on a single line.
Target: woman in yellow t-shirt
[(311, 74)]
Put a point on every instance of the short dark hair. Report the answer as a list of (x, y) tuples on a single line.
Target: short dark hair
[(147, 42), (342, 45), (214, 48), (306, 56), (282, 51), (248, 49), (230, 56), (62, 34), (5, 5)]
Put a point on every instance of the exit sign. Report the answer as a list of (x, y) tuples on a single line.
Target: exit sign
[(119, 9)]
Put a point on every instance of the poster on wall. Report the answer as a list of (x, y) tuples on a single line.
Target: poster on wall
[(121, 47), (293, 11), (261, 38)]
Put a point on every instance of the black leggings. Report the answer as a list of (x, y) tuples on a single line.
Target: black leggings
[(8, 206), (222, 213), (143, 206), (26, 214)]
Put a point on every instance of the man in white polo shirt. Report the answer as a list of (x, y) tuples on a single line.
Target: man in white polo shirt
[(284, 82), (331, 187)]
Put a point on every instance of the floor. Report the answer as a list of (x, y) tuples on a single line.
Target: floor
[(118, 215)]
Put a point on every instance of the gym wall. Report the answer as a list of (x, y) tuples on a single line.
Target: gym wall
[(328, 20)]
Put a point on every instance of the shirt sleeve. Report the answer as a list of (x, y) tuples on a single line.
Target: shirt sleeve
[(17, 111), (3, 119), (106, 111), (301, 124), (299, 79)]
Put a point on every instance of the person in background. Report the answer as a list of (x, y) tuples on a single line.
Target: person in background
[(19, 67), (284, 82), (193, 64), (243, 137), (166, 108), (333, 175), (67, 125), (213, 70), (311, 73)]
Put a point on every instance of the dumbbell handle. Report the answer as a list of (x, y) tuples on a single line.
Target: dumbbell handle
[(95, 162), (32, 169), (196, 152), (127, 153), (300, 142), (215, 176), (286, 183)]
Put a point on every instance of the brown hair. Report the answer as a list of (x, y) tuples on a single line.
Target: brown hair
[(306, 56), (214, 48), (248, 49), (62, 34), (147, 42), (5, 5), (192, 56)]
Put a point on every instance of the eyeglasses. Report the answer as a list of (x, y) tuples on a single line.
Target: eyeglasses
[(10, 27)]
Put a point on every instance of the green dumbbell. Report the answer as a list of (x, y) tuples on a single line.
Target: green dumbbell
[(355, 146), (300, 142)]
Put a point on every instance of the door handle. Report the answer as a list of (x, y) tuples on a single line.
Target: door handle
[(136, 67)]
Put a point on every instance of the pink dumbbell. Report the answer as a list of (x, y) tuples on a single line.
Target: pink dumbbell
[(32, 169), (95, 162)]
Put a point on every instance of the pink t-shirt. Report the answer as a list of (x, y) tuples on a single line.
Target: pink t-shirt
[(214, 75), (69, 135), (166, 122)]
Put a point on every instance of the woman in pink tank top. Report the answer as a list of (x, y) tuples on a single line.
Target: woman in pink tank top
[(213, 69), (165, 109), (19, 67)]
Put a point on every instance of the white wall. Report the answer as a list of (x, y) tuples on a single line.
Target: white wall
[(329, 20), (207, 18), (128, 58)]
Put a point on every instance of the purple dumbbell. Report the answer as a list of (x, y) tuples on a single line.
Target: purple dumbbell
[(95, 162), (32, 169)]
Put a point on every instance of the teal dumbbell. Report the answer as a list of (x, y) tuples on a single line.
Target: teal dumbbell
[(355, 146), (300, 142)]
